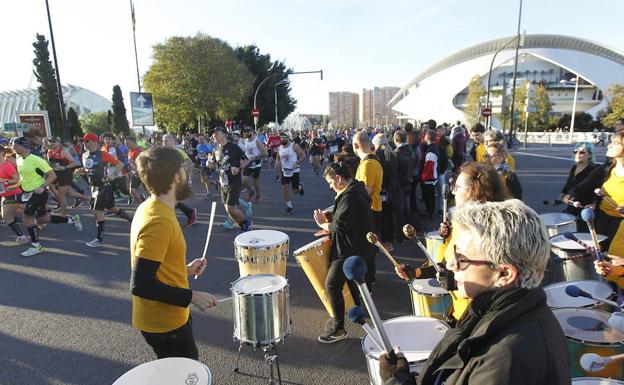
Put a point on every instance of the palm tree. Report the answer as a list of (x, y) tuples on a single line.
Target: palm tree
[(550, 73)]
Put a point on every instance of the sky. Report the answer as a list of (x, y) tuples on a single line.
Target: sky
[(357, 43)]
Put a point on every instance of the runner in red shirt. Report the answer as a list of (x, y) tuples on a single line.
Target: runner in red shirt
[(11, 198), (273, 142), (135, 182)]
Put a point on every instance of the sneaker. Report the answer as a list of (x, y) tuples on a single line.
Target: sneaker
[(77, 203), (33, 250), (192, 220), (95, 243), (228, 224), (300, 188), (247, 208), (289, 211), (277, 178), (130, 200), (23, 239), (77, 223), (246, 225), (333, 336), (208, 196)]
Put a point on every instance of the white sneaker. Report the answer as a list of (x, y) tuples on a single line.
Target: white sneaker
[(23, 239), (33, 250), (77, 223), (95, 243)]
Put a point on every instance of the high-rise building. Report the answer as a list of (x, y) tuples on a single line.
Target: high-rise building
[(366, 107), (382, 113), (344, 108)]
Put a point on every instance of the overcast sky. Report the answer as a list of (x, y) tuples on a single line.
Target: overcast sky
[(358, 44)]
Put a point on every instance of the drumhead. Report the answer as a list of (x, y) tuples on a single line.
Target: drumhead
[(310, 245), (595, 381), (587, 325), (167, 371), (433, 235), (557, 219), (562, 243), (429, 286), (417, 337), (259, 284), (261, 238), (557, 297)]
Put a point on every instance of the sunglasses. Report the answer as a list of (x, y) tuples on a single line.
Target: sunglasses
[(462, 262), (579, 152)]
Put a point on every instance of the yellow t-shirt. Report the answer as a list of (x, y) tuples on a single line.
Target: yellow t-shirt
[(445, 253), (480, 153), (30, 179), (511, 162), (370, 173), (613, 187), (155, 234), (617, 244)]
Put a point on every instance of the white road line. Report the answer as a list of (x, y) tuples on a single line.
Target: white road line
[(543, 156)]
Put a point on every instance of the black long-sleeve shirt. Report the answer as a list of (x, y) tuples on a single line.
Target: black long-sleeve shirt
[(144, 284)]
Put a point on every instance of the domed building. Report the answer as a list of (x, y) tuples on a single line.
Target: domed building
[(440, 91)]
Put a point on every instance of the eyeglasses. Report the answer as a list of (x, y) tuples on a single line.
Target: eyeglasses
[(462, 262), (457, 187), (579, 152)]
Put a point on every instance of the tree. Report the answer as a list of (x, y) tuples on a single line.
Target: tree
[(74, 123), (96, 122), (616, 105), (261, 67), (583, 122), (539, 120), (120, 121), (473, 100), (48, 93), (194, 77)]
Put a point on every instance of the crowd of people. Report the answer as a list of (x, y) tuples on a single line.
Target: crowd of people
[(494, 246)]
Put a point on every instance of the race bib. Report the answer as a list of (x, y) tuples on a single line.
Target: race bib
[(3, 188), (223, 179), (26, 196), (288, 172)]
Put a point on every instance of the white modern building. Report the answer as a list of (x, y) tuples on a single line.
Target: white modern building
[(27, 100), (440, 91)]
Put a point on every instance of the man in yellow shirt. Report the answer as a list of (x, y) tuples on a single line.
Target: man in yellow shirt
[(369, 172), (159, 281), (478, 151)]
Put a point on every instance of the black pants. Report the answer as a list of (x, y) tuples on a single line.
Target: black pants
[(334, 282), (176, 343), (429, 197), (386, 230)]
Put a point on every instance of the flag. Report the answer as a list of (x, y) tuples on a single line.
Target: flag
[(133, 19)]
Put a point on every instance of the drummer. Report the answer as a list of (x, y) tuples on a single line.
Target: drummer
[(476, 182), (351, 221), (509, 335), (584, 164)]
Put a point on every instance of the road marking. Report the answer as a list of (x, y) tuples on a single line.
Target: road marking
[(543, 156)]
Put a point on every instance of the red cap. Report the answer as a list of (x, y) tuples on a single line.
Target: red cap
[(91, 136)]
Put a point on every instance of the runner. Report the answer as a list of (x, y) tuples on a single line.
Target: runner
[(205, 152), (36, 176), (62, 163), (95, 163), (134, 181), (11, 198), (289, 160), (191, 214), (254, 150), (114, 174), (317, 148), (272, 144)]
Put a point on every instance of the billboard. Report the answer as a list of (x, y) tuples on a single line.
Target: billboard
[(37, 121), (142, 108)]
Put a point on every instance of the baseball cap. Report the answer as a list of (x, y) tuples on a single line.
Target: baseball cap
[(90, 136), (22, 141)]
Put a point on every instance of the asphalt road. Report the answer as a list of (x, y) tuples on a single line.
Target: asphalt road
[(65, 314)]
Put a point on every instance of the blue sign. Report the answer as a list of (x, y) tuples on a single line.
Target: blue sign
[(142, 108)]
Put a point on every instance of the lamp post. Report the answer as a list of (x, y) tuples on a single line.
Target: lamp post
[(64, 129), (576, 84), (489, 79), (513, 87)]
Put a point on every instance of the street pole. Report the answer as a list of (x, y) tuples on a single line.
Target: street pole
[(513, 87), (276, 120), (574, 106), (136, 56), (487, 102), (64, 129)]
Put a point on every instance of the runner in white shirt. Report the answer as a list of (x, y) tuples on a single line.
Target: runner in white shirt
[(255, 150), (289, 159)]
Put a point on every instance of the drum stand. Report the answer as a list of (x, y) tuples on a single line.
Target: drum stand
[(270, 357)]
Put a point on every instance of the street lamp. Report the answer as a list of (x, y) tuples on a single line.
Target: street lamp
[(576, 84), (64, 129)]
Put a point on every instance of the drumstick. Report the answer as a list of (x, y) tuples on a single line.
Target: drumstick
[(224, 299), (607, 198), (429, 257), (372, 238), (212, 215), (444, 203)]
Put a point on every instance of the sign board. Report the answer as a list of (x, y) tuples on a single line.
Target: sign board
[(38, 123), (255, 112), (142, 108), (16, 127), (529, 104), (486, 112)]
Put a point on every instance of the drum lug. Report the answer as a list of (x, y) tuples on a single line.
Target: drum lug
[(306, 259)]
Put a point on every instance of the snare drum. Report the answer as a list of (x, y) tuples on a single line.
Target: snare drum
[(261, 309), (261, 252), (595, 381), (587, 331), (571, 262), (417, 337), (314, 259), (559, 223), (167, 371), (433, 242), (556, 296), (429, 299)]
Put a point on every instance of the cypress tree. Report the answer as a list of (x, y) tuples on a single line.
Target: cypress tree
[(48, 93), (74, 123), (120, 122)]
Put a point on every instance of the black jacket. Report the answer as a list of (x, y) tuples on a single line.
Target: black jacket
[(351, 221), (505, 337), (405, 158)]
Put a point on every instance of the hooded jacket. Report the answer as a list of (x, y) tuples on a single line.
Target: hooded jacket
[(351, 221)]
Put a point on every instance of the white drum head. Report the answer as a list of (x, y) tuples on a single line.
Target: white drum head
[(259, 284), (557, 219), (429, 286), (310, 245), (417, 337), (595, 381), (587, 325), (261, 238), (557, 297), (562, 243), (167, 371), (433, 235)]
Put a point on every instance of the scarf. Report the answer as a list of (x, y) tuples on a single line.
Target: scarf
[(502, 168)]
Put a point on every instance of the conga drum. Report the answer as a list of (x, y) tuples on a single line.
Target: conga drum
[(261, 252), (167, 371), (433, 242), (559, 223), (571, 261), (314, 259)]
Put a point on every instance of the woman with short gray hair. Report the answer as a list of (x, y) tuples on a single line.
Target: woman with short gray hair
[(508, 335)]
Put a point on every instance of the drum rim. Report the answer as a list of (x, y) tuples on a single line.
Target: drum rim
[(152, 363), (580, 340), (435, 233), (613, 380), (572, 220), (268, 245), (411, 285), (369, 355), (310, 245), (575, 282), (282, 279), (581, 248)]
